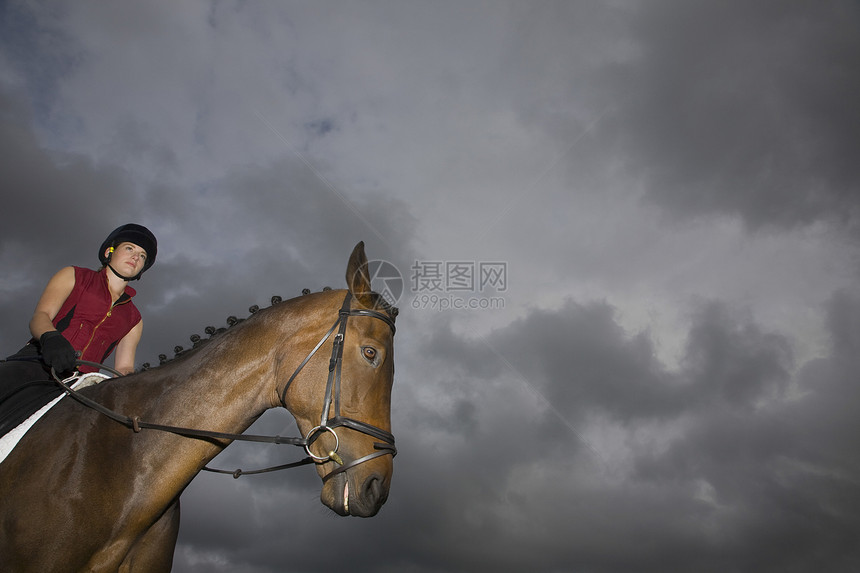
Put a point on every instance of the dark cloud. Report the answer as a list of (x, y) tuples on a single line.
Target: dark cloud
[(579, 356), (58, 209), (40, 48), (781, 474), (737, 363), (47, 191), (738, 483), (743, 110)]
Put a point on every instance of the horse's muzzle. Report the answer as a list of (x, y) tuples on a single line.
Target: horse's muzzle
[(345, 497)]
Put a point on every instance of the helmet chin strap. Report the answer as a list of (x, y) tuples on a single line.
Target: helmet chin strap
[(119, 275)]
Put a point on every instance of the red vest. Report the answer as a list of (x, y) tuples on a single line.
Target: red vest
[(87, 320)]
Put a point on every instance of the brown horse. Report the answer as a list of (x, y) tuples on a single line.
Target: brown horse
[(82, 492)]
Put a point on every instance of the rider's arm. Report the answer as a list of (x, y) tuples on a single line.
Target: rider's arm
[(125, 350), (55, 294)]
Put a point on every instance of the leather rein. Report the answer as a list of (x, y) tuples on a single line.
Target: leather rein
[(384, 447)]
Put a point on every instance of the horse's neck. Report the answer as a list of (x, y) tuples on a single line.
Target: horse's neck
[(231, 380), (228, 383), (224, 388)]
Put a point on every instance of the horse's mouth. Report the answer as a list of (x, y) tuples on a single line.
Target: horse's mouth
[(335, 495), (343, 496)]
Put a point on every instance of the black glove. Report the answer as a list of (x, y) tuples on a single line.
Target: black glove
[(57, 351)]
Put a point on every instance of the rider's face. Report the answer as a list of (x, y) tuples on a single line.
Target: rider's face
[(128, 259)]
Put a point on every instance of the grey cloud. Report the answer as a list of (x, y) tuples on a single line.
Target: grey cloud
[(559, 440), (579, 355), (58, 209), (741, 486), (748, 115), (736, 362)]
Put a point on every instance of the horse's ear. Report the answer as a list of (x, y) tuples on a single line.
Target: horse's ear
[(357, 278)]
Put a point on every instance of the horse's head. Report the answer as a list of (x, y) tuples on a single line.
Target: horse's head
[(341, 394)]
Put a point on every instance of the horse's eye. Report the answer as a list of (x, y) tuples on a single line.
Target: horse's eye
[(369, 353)]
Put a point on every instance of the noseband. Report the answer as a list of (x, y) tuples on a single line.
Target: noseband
[(332, 393)]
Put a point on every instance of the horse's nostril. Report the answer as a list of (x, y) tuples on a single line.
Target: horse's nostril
[(373, 490)]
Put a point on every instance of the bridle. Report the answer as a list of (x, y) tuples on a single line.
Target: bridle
[(332, 393), (327, 425)]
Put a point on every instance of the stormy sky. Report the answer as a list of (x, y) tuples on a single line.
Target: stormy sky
[(666, 378)]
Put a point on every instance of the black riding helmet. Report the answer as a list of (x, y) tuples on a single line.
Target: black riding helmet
[(132, 233)]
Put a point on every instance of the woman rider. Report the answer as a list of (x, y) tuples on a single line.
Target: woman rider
[(81, 313)]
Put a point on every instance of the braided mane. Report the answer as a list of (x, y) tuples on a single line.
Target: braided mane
[(197, 341)]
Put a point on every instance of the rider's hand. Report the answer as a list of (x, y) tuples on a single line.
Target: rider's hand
[(57, 351)]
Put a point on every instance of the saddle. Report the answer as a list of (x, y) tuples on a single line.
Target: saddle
[(31, 402), (25, 386)]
